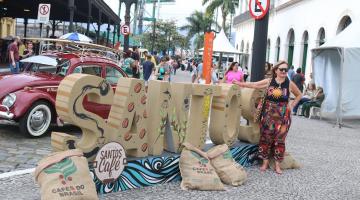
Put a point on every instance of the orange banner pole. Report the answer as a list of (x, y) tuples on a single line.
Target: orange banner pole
[(207, 56)]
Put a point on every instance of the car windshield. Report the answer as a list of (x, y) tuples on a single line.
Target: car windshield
[(60, 69)]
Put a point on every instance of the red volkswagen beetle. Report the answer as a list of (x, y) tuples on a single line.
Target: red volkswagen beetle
[(29, 97)]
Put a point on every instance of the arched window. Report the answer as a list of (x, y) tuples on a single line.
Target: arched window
[(305, 45), (291, 44), (321, 37), (247, 47), (278, 44), (242, 46), (268, 48), (344, 22)]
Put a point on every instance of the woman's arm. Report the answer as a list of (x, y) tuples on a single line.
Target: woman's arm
[(256, 85), (295, 90), (224, 79)]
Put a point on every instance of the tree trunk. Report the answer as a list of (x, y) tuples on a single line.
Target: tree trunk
[(224, 15)]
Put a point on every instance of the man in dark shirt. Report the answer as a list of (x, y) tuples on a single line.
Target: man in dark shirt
[(136, 56), (299, 79), (148, 68), (14, 56)]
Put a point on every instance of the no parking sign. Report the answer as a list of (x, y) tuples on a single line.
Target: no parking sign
[(259, 8), (44, 13)]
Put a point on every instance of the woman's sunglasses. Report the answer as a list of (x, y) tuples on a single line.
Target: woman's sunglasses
[(283, 69)]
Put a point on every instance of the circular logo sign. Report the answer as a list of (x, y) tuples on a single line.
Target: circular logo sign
[(259, 8), (110, 162)]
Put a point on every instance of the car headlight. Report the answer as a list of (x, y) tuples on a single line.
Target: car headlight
[(9, 100)]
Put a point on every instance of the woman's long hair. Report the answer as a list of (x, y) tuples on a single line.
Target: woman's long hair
[(276, 66), (231, 67)]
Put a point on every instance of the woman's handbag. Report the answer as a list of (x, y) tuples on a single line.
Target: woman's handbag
[(260, 106)]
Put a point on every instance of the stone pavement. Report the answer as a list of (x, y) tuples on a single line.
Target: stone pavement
[(18, 152), (330, 170)]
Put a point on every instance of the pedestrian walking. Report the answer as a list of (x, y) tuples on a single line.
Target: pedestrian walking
[(246, 73), (14, 56), (276, 114), (291, 72), (299, 79), (163, 71), (136, 57), (129, 63), (233, 74), (148, 68)]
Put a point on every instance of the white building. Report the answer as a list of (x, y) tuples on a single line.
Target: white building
[(296, 27)]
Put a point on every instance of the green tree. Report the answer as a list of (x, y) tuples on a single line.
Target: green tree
[(166, 37), (227, 7), (198, 23)]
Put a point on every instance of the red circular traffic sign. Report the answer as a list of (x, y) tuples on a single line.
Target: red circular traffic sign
[(125, 29), (44, 9), (259, 8)]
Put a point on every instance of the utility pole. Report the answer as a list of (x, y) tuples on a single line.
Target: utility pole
[(141, 16), (259, 45), (154, 27), (128, 4), (136, 14)]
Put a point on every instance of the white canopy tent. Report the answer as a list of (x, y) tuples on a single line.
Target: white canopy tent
[(336, 68), (222, 44)]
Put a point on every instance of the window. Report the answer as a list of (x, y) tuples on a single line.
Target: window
[(321, 37), (113, 75), (291, 44), (268, 50), (344, 23), (305, 46), (278, 49), (88, 69)]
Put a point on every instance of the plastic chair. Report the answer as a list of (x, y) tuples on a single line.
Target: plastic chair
[(315, 111)]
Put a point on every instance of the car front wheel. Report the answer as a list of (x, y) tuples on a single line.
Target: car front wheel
[(36, 121)]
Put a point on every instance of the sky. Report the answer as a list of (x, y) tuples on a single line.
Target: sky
[(175, 11)]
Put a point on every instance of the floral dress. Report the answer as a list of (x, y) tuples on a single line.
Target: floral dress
[(275, 121)]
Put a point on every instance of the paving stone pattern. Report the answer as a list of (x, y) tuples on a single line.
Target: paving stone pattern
[(18, 152)]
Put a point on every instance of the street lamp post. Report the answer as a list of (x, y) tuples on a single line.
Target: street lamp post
[(128, 4)]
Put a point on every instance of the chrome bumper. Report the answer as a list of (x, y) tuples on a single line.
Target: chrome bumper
[(7, 114)]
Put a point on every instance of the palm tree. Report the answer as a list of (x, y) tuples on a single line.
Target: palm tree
[(227, 7), (198, 23)]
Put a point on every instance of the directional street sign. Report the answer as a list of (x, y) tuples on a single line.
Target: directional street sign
[(44, 13), (125, 29), (259, 8), (150, 19)]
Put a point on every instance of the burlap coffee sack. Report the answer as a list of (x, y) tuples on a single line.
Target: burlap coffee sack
[(229, 171), (65, 176), (288, 163), (196, 170)]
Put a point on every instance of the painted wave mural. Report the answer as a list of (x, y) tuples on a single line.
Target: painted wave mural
[(158, 170)]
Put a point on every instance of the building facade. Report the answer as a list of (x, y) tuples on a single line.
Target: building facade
[(296, 27), (7, 27)]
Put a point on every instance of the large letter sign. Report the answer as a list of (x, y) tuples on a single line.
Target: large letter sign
[(225, 115), (69, 106), (164, 118)]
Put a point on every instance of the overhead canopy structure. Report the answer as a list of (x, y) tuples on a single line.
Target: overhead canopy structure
[(336, 69), (222, 44), (92, 11)]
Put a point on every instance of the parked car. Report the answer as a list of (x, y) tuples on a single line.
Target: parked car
[(29, 97)]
